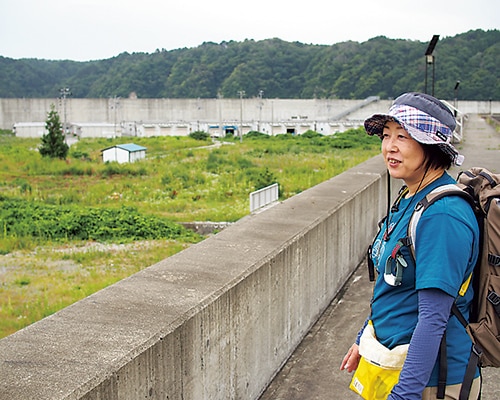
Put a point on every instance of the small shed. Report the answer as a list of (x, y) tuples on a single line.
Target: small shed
[(123, 153)]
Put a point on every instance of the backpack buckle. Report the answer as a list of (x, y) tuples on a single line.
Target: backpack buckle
[(477, 350), (493, 298)]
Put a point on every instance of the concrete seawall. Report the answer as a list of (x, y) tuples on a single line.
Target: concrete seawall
[(216, 321), (202, 110)]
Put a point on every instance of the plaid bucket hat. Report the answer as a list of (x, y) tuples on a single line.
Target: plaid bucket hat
[(425, 118)]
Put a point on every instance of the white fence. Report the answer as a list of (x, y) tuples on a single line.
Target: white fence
[(263, 197)]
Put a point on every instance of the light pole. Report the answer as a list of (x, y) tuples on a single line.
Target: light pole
[(65, 92), (241, 93), (456, 97), (429, 60), (221, 125), (198, 108), (261, 93), (114, 106)]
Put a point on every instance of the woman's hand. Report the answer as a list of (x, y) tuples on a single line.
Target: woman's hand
[(351, 359)]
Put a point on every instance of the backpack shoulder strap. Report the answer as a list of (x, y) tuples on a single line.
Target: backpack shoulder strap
[(427, 201), (433, 196)]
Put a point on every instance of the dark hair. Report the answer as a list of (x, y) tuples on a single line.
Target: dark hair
[(435, 157)]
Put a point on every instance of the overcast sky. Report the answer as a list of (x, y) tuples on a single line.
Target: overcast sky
[(84, 30)]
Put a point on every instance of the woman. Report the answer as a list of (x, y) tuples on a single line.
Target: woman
[(416, 146)]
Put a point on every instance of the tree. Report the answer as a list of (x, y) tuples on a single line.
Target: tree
[(53, 144), (378, 67)]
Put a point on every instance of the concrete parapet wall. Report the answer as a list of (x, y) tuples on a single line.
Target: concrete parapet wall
[(216, 321)]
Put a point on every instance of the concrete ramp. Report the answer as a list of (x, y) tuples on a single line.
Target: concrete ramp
[(356, 107)]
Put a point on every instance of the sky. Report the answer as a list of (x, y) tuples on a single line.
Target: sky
[(84, 30)]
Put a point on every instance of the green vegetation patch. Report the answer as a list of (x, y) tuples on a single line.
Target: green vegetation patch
[(70, 227), (21, 218)]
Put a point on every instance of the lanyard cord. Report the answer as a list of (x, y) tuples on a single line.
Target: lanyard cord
[(395, 207), (388, 193)]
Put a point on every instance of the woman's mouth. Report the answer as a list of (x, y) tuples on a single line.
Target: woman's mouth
[(392, 162)]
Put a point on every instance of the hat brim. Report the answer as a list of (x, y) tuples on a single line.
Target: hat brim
[(375, 124)]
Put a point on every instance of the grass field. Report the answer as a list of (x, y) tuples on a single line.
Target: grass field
[(49, 255)]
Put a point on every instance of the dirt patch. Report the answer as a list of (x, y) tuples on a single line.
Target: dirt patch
[(50, 256)]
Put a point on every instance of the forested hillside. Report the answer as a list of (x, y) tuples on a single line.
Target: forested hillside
[(378, 67)]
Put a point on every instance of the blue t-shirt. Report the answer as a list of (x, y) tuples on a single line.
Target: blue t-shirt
[(446, 244)]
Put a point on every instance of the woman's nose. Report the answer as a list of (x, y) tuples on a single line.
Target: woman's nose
[(390, 145)]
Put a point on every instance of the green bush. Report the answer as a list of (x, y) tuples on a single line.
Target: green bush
[(311, 134), (199, 135), (256, 135), (21, 218), (353, 138), (261, 178), (216, 161), (82, 155)]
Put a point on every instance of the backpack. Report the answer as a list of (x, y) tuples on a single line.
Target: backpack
[(482, 189)]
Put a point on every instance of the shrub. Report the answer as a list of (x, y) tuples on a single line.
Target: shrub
[(48, 222), (311, 134), (256, 135), (199, 135)]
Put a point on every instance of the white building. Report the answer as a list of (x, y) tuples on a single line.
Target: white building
[(123, 153), (82, 130), (30, 129), (95, 130)]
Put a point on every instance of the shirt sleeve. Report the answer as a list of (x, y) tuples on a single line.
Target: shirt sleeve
[(434, 307)]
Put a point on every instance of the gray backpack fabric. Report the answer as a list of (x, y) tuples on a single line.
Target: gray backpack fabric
[(482, 189)]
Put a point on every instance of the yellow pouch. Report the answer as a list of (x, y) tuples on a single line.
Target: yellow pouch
[(373, 382), (379, 367)]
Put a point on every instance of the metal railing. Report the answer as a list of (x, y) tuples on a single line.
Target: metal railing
[(459, 116), (263, 197)]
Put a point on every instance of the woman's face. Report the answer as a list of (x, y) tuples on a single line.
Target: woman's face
[(403, 156)]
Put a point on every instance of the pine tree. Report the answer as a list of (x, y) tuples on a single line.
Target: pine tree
[(53, 144)]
